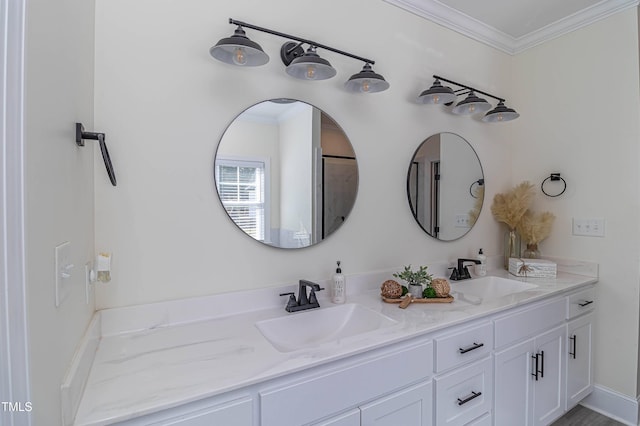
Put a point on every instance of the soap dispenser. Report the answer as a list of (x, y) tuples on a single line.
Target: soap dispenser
[(481, 268), (338, 289)]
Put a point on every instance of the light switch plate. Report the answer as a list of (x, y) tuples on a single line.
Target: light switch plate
[(589, 227), (462, 221), (62, 271)]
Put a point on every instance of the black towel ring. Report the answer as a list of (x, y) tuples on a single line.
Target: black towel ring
[(554, 177), (479, 182)]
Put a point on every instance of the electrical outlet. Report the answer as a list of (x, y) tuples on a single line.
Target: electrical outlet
[(88, 288), (591, 227), (63, 269), (462, 221)]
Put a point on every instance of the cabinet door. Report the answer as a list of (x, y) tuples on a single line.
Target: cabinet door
[(350, 418), (579, 361), (550, 389), (514, 385), (233, 413), (409, 407)]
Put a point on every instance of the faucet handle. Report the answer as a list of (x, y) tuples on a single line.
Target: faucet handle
[(465, 272), (312, 294), (291, 302), (454, 274)]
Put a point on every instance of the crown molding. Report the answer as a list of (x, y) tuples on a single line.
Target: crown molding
[(570, 23), (464, 24)]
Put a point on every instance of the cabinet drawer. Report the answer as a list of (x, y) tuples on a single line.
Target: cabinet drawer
[(344, 387), (581, 302), (463, 345), (527, 322), (464, 394)]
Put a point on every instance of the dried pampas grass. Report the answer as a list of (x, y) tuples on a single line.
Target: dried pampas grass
[(512, 205), (535, 227)]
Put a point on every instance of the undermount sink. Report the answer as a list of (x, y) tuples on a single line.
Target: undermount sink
[(482, 289), (311, 328)]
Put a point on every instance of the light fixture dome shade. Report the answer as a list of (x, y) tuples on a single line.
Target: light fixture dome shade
[(437, 94), (239, 50), (472, 104), (366, 81), (500, 113), (310, 66)]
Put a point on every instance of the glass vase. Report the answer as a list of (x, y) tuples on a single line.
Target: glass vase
[(511, 246), (531, 252)]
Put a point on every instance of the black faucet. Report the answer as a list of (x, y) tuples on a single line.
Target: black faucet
[(461, 272), (304, 302)]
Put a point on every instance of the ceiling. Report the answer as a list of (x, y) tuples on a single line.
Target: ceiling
[(513, 25)]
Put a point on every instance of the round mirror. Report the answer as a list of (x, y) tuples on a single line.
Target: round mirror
[(445, 186), (286, 173)]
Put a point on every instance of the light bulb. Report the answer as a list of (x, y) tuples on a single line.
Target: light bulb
[(239, 56), (500, 117), (365, 86), (436, 99), (311, 72), (471, 108)]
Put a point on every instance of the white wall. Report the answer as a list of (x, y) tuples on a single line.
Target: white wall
[(459, 168), (58, 187), (165, 102), (296, 147), (579, 100)]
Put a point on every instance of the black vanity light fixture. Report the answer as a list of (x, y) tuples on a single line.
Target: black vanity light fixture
[(306, 65), (473, 104)]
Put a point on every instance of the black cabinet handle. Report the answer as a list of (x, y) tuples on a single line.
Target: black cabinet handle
[(586, 302), (473, 395), (471, 348), (535, 366), (573, 338), (542, 364)]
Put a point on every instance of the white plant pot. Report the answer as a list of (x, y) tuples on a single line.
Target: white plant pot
[(416, 291)]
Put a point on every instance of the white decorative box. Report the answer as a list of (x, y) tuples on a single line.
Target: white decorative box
[(532, 268)]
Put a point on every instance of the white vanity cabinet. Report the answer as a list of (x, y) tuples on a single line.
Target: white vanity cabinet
[(381, 387), (579, 360), (580, 306), (529, 375)]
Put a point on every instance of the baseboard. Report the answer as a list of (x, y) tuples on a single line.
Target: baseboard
[(614, 405)]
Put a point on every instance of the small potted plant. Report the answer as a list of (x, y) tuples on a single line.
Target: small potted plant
[(415, 280)]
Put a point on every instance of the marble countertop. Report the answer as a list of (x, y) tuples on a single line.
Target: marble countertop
[(160, 356)]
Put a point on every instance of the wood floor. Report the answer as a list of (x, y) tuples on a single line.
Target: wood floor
[(582, 416)]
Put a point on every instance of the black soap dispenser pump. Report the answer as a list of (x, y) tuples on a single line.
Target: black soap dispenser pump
[(338, 288), (481, 269)]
